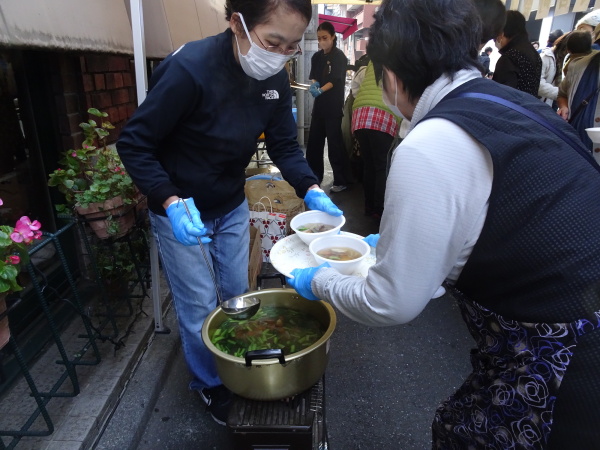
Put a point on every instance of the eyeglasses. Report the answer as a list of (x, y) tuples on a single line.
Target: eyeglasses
[(278, 49)]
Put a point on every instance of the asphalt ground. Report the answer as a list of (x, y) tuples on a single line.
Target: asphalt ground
[(382, 385)]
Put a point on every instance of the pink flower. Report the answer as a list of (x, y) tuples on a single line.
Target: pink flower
[(13, 259), (22, 233), (1, 202), (33, 226), (74, 154)]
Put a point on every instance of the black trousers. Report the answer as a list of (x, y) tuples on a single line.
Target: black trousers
[(330, 128), (374, 147)]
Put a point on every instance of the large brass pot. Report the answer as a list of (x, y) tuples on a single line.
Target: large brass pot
[(278, 376)]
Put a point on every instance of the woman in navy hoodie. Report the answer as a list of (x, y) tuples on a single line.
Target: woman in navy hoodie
[(190, 142)]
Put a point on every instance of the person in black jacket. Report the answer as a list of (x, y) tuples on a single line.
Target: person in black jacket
[(520, 65), (484, 59), (187, 147), (328, 74)]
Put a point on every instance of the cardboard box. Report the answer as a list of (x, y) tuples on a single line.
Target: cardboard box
[(255, 260), (251, 171)]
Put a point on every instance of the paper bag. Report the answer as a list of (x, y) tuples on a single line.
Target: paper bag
[(282, 196), (270, 225)]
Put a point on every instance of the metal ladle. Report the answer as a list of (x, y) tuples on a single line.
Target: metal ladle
[(238, 308)]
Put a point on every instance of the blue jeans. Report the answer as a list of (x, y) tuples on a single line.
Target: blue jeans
[(192, 286)]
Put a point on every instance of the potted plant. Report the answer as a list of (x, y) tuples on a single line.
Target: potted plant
[(95, 183), (117, 263), (13, 254)]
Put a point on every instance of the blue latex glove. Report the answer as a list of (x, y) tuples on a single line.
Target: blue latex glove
[(317, 199), (315, 89), (372, 240), (185, 230), (302, 280)]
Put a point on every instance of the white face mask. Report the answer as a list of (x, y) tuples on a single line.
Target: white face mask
[(393, 108), (258, 63)]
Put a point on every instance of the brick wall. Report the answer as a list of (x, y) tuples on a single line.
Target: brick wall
[(102, 81), (109, 85)]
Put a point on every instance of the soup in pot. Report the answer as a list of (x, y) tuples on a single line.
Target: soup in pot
[(270, 328)]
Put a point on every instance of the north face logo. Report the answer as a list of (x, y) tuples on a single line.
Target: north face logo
[(177, 51), (271, 95)]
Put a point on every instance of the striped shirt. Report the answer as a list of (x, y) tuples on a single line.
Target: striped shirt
[(373, 118)]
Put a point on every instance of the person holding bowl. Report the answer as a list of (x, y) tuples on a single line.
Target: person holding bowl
[(494, 195)]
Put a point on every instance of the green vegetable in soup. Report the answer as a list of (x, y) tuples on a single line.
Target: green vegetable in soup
[(315, 227), (270, 328)]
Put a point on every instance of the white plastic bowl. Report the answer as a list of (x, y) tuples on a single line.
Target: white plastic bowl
[(315, 216), (594, 134), (340, 240)]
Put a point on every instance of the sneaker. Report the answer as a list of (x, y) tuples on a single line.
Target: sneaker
[(218, 401), (339, 188)]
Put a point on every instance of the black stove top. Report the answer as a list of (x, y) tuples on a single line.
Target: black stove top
[(294, 424)]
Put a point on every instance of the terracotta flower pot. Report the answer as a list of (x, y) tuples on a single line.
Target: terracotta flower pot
[(97, 215)]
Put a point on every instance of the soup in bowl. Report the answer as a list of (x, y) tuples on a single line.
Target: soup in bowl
[(342, 252), (314, 224)]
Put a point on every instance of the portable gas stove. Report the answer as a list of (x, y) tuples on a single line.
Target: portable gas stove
[(297, 424)]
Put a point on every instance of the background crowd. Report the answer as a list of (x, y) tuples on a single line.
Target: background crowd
[(371, 132)]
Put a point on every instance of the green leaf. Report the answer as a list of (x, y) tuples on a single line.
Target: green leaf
[(8, 272), (96, 112), (101, 132)]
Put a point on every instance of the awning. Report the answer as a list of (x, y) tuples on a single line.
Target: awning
[(344, 25), (168, 24), (66, 24), (104, 26)]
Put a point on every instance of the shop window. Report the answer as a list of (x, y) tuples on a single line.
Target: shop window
[(15, 180)]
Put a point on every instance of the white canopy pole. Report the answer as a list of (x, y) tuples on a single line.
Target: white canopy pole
[(141, 82), (139, 49)]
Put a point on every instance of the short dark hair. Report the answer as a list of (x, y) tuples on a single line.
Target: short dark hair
[(515, 24), (328, 26), (493, 17), (419, 40), (579, 42), (256, 13), (554, 35), (489, 49)]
